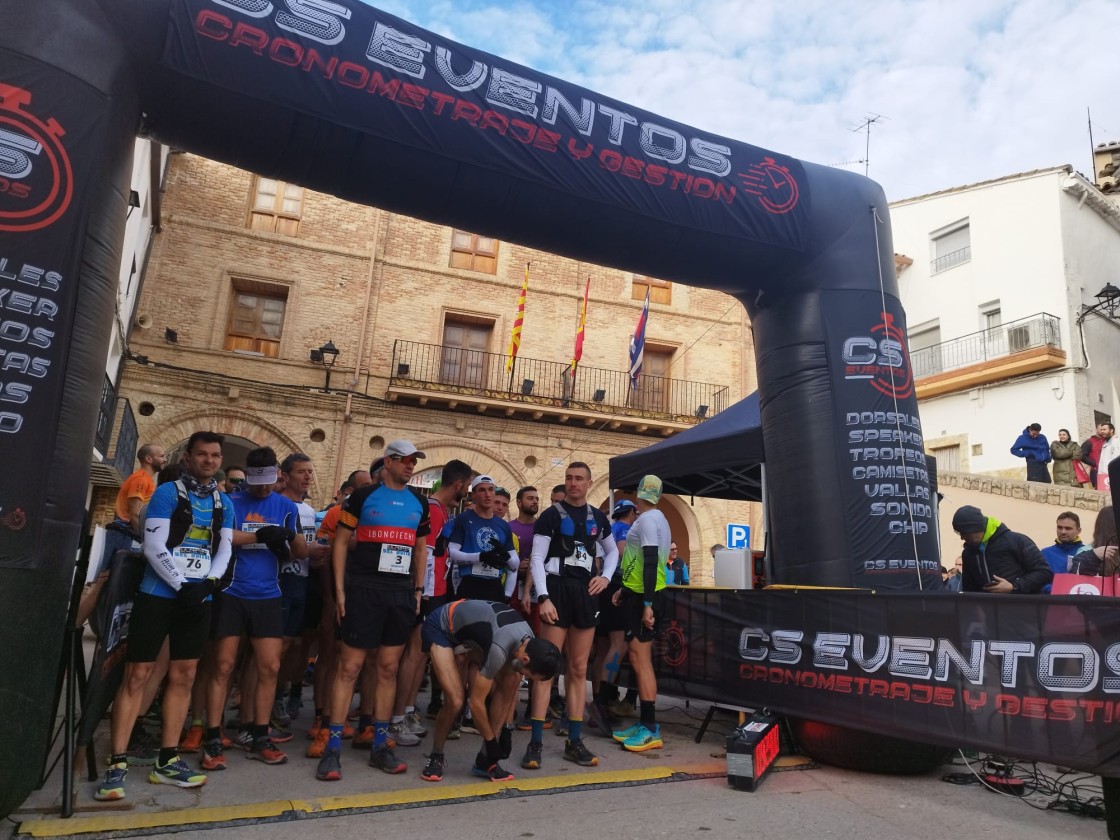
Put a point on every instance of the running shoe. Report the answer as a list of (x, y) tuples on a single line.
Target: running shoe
[(176, 772), (363, 738), (561, 729), (279, 735), (316, 725), (532, 759), (433, 770), (280, 713), (599, 719), (455, 733), (643, 740), (293, 705), (318, 747), (330, 767), (142, 749), (192, 741), (265, 751), (385, 759), (415, 724), (495, 772), (432, 712), (623, 709), (621, 735), (468, 727), (404, 736), (213, 756), (112, 788), (525, 722), (576, 751), (243, 740)]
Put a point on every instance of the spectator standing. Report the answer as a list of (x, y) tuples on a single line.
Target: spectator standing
[(953, 584), (1110, 451), (677, 570), (1091, 449), (1103, 556), (1067, 543), (1065, 451), (1033, 446)]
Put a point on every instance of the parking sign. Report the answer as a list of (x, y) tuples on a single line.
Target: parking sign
[(738, 536)]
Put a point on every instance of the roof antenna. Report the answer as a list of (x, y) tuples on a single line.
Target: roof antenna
[(865, 126)]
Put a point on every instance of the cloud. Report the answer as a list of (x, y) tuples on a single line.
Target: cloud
[(969, 90)]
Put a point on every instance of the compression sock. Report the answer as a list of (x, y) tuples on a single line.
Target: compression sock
[(649, 716), (380, 733)]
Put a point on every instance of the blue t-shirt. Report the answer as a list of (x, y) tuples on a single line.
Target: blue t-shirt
[(473, 534), (255, 569), (387, 524), (161, 506), (619, 530)]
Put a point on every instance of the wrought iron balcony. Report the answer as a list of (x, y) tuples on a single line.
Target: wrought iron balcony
[(535, 386), (118, 458), (105, 414), (1025, 346)]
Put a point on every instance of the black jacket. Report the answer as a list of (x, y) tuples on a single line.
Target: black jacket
[(1009, 555)]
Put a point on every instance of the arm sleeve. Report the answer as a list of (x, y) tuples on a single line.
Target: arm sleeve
[(541, 543), (649, 570), (511, 584), (514, 561), (460, 557), (158, 554), (610, 555), (220, 563)]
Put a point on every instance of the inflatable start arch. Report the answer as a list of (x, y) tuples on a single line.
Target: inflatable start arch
[(342, 98)]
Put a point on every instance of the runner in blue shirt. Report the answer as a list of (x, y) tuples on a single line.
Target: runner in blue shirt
[(268, 533), (481, 547), (186, 552)]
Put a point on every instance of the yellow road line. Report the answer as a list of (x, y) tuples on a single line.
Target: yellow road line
[(429, 794)]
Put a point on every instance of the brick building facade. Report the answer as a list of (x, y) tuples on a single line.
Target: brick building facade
[(249, 275)]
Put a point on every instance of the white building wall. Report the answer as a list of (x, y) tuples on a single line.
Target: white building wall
[(1035, 250)]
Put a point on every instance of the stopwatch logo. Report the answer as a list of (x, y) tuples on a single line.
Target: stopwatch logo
[(36, 181)]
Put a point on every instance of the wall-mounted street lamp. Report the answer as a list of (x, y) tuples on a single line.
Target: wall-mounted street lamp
[(1108, 301), (326, 356)]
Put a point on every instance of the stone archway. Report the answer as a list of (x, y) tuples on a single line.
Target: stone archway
[(682, 522), (441, 450), (236, 423)]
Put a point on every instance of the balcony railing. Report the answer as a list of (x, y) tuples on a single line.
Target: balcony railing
[(947, 261), (432, 367), (1039, 330)]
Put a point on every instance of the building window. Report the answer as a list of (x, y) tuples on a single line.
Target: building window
[(466, 351), (660, 291), (256, 317), (653, 389), (925, 350), (951, 246), (277, 206), (474, 252)]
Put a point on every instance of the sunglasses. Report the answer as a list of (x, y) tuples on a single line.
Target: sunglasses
[(236, 480), (403, 459)]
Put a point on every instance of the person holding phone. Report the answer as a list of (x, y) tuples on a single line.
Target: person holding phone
[(997, 559)]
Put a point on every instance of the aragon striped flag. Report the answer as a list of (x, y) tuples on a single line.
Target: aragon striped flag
[(518, 323), (638, 344), (577, 354)]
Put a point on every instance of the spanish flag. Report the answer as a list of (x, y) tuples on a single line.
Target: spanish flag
[(578, 354), (518, 322)]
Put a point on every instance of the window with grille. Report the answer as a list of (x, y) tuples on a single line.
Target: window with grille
[(474, 252), (256, 317), (277, 206), (951, 246), (660, 291)]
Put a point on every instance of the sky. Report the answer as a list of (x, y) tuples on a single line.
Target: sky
[(966, 91)]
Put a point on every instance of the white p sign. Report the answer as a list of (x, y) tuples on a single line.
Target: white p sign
[(738, 536)]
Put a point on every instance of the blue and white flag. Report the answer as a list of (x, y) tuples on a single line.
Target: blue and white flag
[(638, 344)]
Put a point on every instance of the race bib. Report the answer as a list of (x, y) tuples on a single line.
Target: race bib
[(395, 559), (252, 528), (192, 561), (481, 570), (293, 567), (579, 558)]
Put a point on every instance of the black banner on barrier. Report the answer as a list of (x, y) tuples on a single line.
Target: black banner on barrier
[(44, 116), (1024, 676), (110, 625), (889, 502)]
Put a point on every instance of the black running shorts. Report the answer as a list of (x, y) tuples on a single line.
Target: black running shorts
[(257, 618), (154, 619), (377, 617), (575, 608)]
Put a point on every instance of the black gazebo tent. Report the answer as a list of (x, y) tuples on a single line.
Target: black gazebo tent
[(720, 458)]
